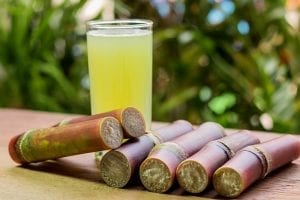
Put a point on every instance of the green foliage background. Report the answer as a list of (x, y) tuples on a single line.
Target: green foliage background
[(201, 71)]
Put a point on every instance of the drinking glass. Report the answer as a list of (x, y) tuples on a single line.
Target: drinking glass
[(120, 65)]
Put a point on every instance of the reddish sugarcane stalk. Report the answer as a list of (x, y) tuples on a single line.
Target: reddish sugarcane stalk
[(56, 142), (118, 166), (131, 119), (253, 163), (157, 172), (195, 173)]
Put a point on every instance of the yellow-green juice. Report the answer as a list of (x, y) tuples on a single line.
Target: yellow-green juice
[(120, 70)]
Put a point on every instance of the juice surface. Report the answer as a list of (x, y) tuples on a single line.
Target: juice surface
[(120, 70)]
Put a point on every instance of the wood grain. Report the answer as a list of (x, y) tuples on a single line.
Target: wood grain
[(77, 177)]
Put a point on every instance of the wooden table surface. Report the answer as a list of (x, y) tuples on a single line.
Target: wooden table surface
[(77, 177)]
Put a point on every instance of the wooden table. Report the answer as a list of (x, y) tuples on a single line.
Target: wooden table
[(77, 177)]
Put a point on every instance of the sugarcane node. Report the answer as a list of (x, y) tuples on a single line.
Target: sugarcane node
[(261, 157)]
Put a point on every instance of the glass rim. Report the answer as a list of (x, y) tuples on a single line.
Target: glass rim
[(119, 24)]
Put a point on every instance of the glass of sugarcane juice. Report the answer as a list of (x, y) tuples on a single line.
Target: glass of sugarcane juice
[(120, 65)]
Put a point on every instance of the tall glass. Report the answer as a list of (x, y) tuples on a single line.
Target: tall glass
[(120, 65)]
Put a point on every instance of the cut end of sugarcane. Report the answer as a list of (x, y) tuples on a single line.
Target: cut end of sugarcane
[(115, 170), (155, 175), (191, 176), (227, 182), (111, 132), (14, 151), (133, 122)]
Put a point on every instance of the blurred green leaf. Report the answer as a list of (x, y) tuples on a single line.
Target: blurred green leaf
[(201, 71), (221, 103)]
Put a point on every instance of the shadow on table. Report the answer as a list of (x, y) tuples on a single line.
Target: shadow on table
[(81, 166), (84, 167)]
